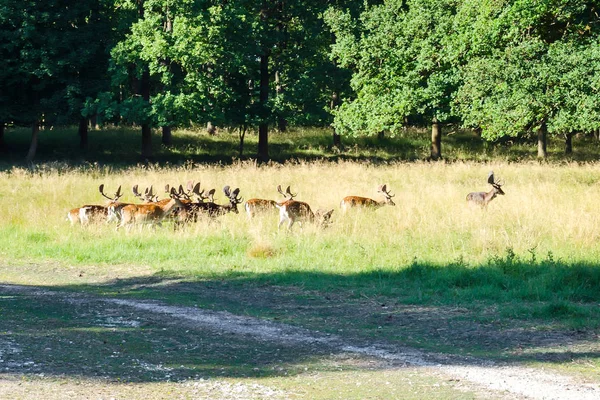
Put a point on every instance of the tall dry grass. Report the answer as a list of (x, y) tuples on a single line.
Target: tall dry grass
[(549, 211)]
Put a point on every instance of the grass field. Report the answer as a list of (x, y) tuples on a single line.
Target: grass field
[(507, 283)]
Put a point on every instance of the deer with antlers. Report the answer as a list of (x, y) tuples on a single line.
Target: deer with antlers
[(256, 206), (149, 213), (365, 202), (191, 211), (294, 211), (483, 198)]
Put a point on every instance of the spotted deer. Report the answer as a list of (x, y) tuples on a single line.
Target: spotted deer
[(149, 213), (349, 202), (294, 211), (192, 210), (256, 206), (87, 214), (483, 198)]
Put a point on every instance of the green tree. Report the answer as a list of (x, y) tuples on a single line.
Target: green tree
[(401, 67), (530, 68), (53, 60)]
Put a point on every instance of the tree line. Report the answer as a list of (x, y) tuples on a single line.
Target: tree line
[(508, 68)]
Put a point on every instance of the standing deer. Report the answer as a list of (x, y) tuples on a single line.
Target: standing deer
[(191, 211), (114, 206), (365, 202), (149, 213), (483, 198), (85, 214), (255, 206), (298, 211)]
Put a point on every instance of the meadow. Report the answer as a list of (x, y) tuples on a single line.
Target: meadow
[(495, 283)]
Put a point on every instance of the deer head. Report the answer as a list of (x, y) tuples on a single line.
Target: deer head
[(388, 196)]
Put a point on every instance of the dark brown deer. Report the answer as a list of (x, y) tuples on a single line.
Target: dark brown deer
[(191, 211), (365, 202), (483, 198), (256, 206)]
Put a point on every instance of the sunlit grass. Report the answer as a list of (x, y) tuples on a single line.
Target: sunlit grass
[(548, 212)]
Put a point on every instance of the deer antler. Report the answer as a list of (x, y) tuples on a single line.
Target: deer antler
[(116, 197), (491, 178), (234, 196), (288, 193), (383, 189)]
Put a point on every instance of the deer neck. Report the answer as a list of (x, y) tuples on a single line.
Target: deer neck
[(489, 196), (170, 206)]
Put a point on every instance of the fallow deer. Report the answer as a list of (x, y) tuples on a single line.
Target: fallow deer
[(191, 211), (255, 206), (87, 214), (298, 211), (483, 198), (114, 206), (365, 202), (149, 213), (148, 196)]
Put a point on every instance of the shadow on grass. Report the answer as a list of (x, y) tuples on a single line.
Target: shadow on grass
[(119, 147), (508, 311)]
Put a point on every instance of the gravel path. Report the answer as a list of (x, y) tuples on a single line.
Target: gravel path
[(513, 381)]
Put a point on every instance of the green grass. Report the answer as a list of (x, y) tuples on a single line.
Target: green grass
[(509, 283)]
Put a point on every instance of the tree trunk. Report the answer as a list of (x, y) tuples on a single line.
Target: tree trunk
[(381, 135), (94, 122), (167, 135), (478, 132), (242, 136), (83, 133), (542, 136), (335, 101), (569, 143), (35, 130), (146, 128), (263, 127), (436, 140), (282, 123)]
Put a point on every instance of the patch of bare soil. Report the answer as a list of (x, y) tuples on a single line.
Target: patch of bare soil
[(503, 379)]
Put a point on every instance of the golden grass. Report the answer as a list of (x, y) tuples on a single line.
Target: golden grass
[(547, 209)]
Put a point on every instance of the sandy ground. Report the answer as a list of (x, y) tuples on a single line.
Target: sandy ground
[(503, 380)]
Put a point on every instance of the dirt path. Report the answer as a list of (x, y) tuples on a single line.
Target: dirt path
[(513, 381)]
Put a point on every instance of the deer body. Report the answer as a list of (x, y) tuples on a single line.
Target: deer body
[(482, 199), (256, 206), (349, 202), (189, 212), (85, 214), (298, 211), (153, 213)]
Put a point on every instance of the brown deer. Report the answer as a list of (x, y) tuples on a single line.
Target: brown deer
[(298, 211), (87, 214), (191, 211), (349, 202), (114, 206), (148, 196), (483, 198), (256, 206), (149, 213)]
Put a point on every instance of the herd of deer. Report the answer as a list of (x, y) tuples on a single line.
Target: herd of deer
[(186, 206)]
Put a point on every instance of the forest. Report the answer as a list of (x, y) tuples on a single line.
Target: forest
[(525, 69)]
